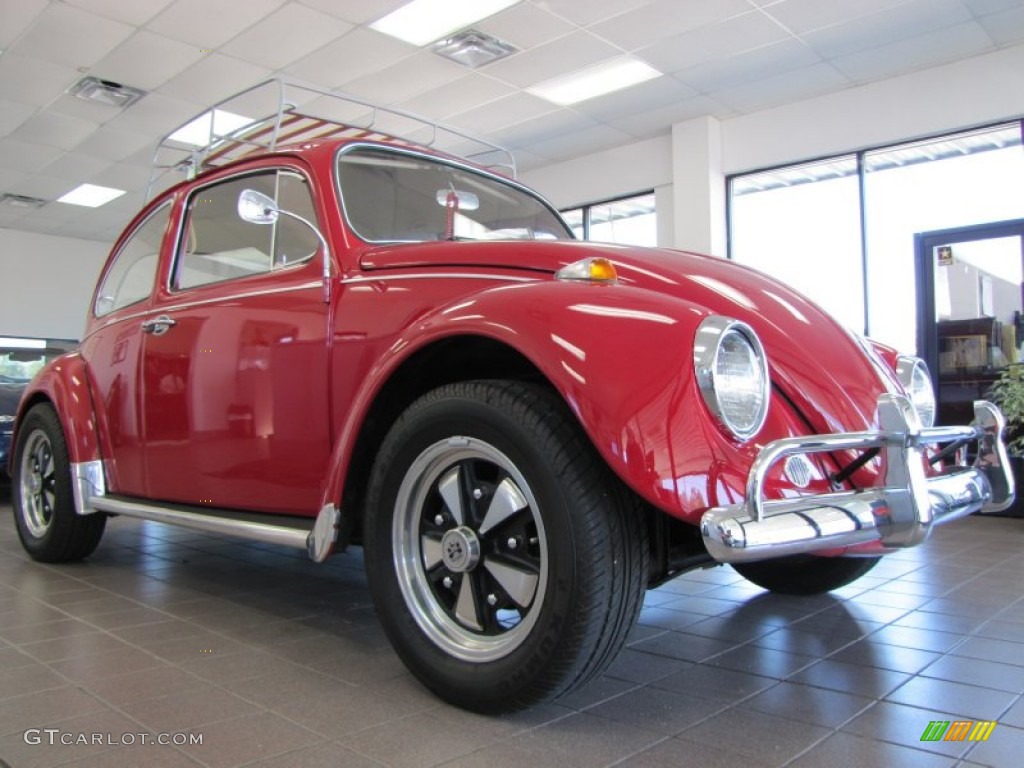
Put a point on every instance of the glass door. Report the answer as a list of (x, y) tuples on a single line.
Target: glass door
[(971, 322)]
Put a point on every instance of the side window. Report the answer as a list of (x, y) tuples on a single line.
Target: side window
[(218, 245), (131, 276)]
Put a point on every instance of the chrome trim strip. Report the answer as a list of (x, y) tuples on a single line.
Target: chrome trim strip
[(372, 278), (899, 514), (88, 484), (265, 532)]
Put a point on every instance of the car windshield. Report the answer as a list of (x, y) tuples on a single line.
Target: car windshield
[(392, 196), (19, 366)]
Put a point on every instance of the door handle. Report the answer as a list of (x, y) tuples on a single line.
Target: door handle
[(158, 325)]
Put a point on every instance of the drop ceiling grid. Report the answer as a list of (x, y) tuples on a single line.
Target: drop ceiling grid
[(720, 57)]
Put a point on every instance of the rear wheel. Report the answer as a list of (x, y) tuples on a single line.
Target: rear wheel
[(806, 574), (506, 562), (44, 505)]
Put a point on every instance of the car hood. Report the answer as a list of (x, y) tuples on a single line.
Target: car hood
[(825, 370)]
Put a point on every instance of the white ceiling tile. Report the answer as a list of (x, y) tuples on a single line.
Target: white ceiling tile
[(734, 71), (134, 12), (925, 50), (13, 114), (889, 26), (779, 89), (213, 78), (285, 36), (461, 95), (356, 11), (91, 111), (802, 16), (486, 120), (8, 178), (525, 26), (112, 144), (22, 156), (582, 142), (986, 7), (70, 36), (653, 122), (45, 187), (656, 21), (123, 176), (715, 41), (591, 11), (354, 55), (53, 130), (33, 81), (16, 16), (10, 216), (567, 54), (37, 224), (1005, 27), (527, 133), (75, 165), (659, 92), (146, 60), (208, 24), (526, 161), (155, 115), (408, 78)]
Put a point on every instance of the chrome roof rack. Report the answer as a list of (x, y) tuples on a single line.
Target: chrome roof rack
[(289, 112)]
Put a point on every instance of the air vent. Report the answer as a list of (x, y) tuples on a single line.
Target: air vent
[(22, 201), (106, 92), (473, 48)]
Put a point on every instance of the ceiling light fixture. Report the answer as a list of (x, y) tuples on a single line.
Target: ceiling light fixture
[(473, 48), (106, 92), (14, 342), (612, 75), (91, 195), (424, 21), (197, 132), (21, 201)]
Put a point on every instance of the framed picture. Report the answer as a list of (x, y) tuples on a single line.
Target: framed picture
[(962, 352)]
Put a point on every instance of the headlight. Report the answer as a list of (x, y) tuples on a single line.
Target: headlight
[(913, 375), (732, 374)]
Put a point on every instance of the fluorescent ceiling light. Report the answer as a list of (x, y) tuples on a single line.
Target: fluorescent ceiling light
[(612, 75), (197, 132), (424, 21), (15, 343), (90, 195)]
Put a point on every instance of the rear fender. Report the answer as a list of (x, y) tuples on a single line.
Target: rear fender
[(621, 357)]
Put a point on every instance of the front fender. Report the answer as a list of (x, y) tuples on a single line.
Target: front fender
[(64, 383), (620, 356)]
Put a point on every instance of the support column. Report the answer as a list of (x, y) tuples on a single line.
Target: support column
[(698, 186)]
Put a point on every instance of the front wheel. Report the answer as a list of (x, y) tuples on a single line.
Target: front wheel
[(507, 564), (806, 574), (44, 506)]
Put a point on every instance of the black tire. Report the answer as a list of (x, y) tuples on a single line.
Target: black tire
[(514, 606), (806, 574), (44, 504)]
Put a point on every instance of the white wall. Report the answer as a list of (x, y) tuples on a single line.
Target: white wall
[(46, 283), (975, 91)]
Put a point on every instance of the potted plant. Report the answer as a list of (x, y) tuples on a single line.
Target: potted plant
[(1008, 394)]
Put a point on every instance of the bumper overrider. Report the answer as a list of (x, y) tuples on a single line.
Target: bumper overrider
[(897, 514)]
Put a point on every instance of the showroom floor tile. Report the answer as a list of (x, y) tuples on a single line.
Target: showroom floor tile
[(279, 662)]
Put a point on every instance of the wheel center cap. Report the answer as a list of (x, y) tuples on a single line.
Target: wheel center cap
[(35, 482), (460, 549)]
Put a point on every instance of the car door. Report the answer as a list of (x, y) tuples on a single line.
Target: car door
[(112, 349), (234, 382)]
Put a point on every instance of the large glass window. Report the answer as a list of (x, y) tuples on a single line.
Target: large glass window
[(626, 221), (803, 223), (800, 225), (130, 277)]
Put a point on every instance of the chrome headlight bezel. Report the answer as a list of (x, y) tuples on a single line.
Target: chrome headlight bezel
[(712, 335), (913, 375)]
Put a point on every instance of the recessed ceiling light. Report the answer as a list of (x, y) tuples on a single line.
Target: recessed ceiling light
[(424, 21), (106, 92), (612, 75), (90, 195), (197, 132), (473, 48)]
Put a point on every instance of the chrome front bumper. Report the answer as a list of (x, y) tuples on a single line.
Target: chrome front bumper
[(899, 513)]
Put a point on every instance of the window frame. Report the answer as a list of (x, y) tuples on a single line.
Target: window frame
[(167, 205), (586, 208)]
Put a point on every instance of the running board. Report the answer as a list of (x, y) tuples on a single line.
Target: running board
[(283, 530)]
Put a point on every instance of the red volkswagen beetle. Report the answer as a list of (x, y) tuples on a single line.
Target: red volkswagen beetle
[(330, 337)]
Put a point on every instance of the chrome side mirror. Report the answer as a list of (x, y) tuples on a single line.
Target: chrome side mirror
[(257, 208)]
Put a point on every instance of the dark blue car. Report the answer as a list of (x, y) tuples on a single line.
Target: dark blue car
[(10, 394)]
